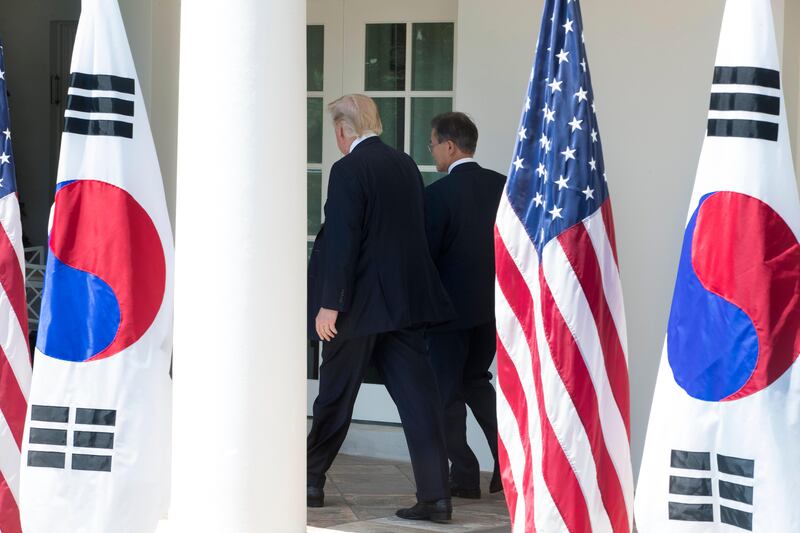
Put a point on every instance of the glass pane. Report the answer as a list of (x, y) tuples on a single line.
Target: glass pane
[(314, 149), (422, 111), (314, 201), (393, 118), (430, 177), (432, 53), (385, 68), (315, 54)]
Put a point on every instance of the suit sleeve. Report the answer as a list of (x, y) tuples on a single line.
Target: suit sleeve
[(344, 213), (435, 221)]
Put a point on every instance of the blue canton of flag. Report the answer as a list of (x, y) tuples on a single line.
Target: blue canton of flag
[(7, 177), (557, 177)]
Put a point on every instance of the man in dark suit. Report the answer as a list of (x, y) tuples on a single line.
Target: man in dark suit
[(460, 214), (372, 290)]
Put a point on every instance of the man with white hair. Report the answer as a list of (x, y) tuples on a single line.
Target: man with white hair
[(372, 289)]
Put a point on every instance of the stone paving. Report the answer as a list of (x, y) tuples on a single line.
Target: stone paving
[(362, 494)]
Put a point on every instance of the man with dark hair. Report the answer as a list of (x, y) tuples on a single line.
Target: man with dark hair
[(460, 212)]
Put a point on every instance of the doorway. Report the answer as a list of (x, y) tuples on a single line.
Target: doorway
[(403, 55), (62, 40)]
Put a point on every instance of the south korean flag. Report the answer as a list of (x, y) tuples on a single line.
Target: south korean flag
[(96, 447), (722, 452)]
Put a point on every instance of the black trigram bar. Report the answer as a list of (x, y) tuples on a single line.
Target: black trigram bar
[(50, 413), (87, 104), (93, 439), (735, 466), (56, 437), (736, 518), (755, 103), (691, 512), (46, 459), (102, 82), (94, 463), (736, 492), (762, 77), (110, 128), (748, 129), (96, 417), (689, 486), (690, 460)]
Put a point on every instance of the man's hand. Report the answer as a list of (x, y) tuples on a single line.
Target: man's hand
[(326, 324)]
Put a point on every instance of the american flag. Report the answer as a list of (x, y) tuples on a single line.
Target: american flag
[(15, 363), (563, 398)]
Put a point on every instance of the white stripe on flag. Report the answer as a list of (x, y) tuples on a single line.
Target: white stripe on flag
[(743, 115), (749, 89), (546, 515), (15, 345), (558, 404), (9, 220), (9, 457), (508, 432), (612, 285), (97, 116), (573, 306), (97, 93)]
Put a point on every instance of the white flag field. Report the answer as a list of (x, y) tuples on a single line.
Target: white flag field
[(96, 447), (722, 452)]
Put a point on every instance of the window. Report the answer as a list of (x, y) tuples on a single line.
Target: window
[(315, 50), (408, 71)]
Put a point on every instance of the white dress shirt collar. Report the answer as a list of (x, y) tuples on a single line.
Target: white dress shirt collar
[(459, 162), (357, 141)]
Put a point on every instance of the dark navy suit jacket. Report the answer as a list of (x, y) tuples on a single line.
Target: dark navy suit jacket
[(370, 260), (460, 215)]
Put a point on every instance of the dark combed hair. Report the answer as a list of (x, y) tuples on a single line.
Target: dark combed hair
[(456, 127)]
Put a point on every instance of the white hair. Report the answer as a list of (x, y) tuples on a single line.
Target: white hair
[(357, 114)]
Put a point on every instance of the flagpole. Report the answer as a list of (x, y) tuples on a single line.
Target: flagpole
[(239, 390)]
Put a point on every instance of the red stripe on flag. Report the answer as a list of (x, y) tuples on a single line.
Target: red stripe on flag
[(9, 511), (12, 281), (608, 222), (12, 401), (572, 368), (556, 470), (515, 396), (509, 489), (577, 245)]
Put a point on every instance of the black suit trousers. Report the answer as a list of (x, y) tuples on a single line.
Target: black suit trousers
[(401, 359), (461, 361)]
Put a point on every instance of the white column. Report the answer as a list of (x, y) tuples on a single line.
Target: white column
[(239, 371), (791, 75)]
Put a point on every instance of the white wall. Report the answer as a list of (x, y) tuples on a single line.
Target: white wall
[(153, 28), (651, 66), (153, 32), (138, 18), (25, 29), (164, 92)]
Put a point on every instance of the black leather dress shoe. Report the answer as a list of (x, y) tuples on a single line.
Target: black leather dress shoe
[(496, 485), (440, 511), (315, 497), (465, 492)]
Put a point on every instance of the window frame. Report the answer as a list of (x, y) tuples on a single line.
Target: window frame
[(408, 94)]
